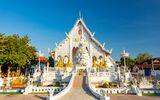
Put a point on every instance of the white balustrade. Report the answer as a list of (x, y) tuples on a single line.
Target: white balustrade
[(95, 93), (31, 89), (63, 92)]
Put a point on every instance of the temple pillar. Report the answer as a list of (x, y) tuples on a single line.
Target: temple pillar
[(90, 52), (47, 66), (70, 49), (55, 56)]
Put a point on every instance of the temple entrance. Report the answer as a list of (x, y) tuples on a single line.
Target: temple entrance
[(74, 50)]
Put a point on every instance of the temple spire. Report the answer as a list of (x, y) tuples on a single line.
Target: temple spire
[(80, 15)]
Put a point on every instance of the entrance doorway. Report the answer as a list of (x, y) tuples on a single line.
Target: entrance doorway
[(74, 50)]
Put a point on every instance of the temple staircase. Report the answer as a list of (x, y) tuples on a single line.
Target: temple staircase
[(79, 90)]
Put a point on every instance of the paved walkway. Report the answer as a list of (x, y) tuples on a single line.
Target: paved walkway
[(22, 97), (79, 90), (133, 97)]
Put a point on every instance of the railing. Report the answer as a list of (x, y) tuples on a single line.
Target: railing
[(31, 89), (63, 92), (151, 91), (112, 90), (95, 93)]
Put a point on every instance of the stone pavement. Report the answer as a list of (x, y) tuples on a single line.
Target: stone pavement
[(22, 97), (133, 97)]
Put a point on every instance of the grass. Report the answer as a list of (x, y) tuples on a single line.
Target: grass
[(10, 93), (57, 84), (151, 94)]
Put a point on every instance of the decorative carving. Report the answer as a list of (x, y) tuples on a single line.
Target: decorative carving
[(64, 62), (82, 56), (94, 61), (102, 62), (69, 63), (59, 62), (76, 39), (80, 32)]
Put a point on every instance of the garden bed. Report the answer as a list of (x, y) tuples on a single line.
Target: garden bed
[(10, 92), (151, 94)]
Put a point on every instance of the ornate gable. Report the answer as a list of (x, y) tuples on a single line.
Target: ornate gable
[(78, 33), (81, 29)]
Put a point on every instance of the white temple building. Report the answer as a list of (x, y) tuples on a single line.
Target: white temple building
[(81, 50)]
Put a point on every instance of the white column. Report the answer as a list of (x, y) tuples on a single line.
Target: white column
[(55, 55), (70, 48), (47, 66), (90, 52)]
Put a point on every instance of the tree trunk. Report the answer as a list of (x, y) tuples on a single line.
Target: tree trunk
[(8, 70)]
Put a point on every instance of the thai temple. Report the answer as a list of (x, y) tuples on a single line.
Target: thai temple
[(80, 50), (82, 65)]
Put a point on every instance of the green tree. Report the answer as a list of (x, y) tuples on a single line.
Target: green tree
[(51, 61), (18, 53), (2, 47), (130, 62), (158, 58), (143, 57)]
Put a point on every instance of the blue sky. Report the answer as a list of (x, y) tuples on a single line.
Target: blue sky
[(130, 24)]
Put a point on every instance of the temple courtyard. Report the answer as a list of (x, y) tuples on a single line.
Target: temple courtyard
[(43, 97), (79, 91)]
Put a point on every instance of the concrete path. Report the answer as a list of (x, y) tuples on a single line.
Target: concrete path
[(79, 90), (133, 97), (22, 97)]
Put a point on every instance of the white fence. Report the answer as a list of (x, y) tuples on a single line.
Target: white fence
[(112, 90), (31, 89), (151, 91), (101, 93), (103, 76), (63, 92)]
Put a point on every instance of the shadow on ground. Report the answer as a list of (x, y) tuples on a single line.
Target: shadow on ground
[(40, 97)]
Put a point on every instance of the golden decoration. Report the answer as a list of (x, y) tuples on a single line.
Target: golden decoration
[(17, 83), (94, 62), (60, 62), (69, 63), (80, 32)]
